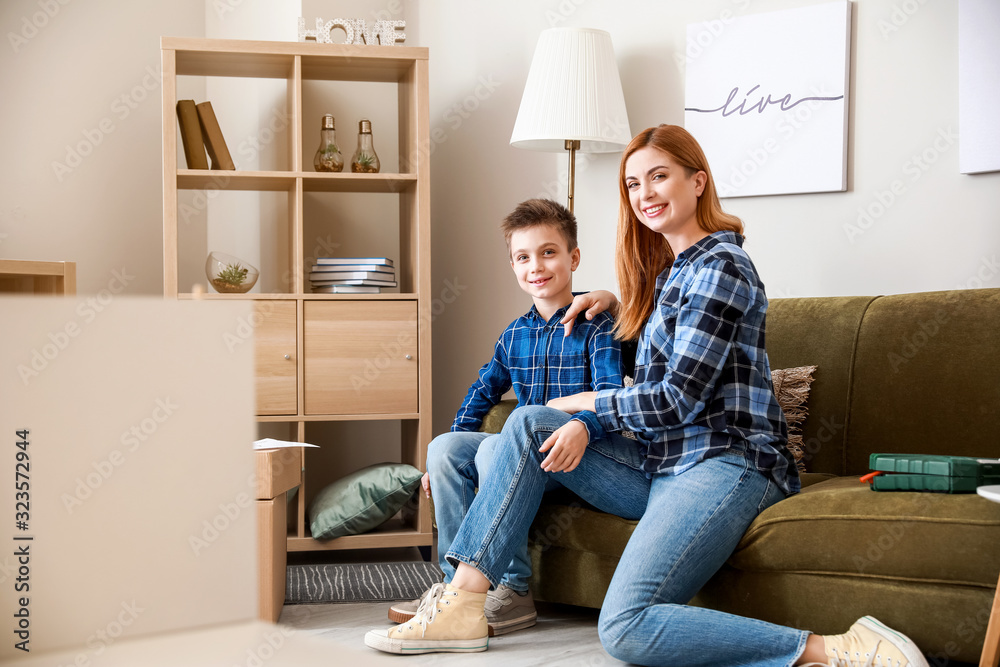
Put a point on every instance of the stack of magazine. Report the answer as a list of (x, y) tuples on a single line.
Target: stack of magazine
[(352, 275)]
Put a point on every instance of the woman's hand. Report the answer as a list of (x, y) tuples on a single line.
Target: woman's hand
[(594, 303), (565, 446), (425, 482), (586, 400)]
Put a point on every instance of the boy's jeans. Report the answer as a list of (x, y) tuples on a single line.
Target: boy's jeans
[(691, 525), (456, 461)]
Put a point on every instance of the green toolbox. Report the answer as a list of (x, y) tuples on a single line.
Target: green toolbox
[(931, 472)]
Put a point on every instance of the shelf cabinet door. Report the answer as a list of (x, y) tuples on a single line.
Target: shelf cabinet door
[(360, 357), (277, 377)]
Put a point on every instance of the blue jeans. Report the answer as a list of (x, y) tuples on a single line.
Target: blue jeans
[(510, 491), (455, 461), (689, 525)]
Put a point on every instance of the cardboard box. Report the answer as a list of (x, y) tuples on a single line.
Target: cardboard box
[(278, 471)]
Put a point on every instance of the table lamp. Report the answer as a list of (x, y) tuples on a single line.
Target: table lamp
[(573, 98)]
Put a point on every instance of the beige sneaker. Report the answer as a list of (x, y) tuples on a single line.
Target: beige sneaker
[(448, 620), (506, 610), (870, 643)]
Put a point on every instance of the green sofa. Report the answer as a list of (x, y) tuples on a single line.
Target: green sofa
[(911, 373)]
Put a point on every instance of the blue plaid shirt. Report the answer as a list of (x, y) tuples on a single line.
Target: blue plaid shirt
[(534, 357), (703, 384)]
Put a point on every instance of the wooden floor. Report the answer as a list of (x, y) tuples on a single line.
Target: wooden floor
[(563, 636)]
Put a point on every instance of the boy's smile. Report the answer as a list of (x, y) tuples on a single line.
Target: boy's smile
[(544, 265)]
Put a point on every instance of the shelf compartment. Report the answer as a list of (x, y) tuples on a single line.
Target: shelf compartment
[(235, 63), (392, 533)]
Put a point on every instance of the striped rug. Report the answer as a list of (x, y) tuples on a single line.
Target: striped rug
[(368, 582)]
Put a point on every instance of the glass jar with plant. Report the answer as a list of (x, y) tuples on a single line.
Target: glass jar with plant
[(365, 161), (328, 157)]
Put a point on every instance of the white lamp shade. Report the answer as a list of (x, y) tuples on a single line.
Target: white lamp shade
[(573, 92)]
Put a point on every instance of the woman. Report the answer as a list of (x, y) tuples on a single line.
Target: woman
[(710, 454)]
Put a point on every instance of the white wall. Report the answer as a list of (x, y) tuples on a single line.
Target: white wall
[(83, 92), (941, 233), (71, 74)]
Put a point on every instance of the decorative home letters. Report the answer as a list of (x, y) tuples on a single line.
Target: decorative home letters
[(357, 31)]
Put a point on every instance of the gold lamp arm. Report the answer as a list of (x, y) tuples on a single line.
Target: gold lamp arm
[(572, 145)]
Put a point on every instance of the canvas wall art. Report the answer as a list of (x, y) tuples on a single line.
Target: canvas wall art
[(978, 86), (766, 95)]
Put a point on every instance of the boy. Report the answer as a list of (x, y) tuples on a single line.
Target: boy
[(532, 356)]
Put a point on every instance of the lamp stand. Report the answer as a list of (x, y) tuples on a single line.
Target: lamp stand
[(572, 145)]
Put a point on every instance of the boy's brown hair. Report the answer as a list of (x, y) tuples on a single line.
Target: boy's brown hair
[(534, 212)]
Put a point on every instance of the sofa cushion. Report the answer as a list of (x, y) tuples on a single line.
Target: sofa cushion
[(841, 528), (927, 377), (823, 333)]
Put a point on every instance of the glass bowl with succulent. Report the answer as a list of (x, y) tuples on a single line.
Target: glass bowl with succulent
[(228, 274)]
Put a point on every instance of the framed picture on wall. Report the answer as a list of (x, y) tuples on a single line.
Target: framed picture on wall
[(766, 96)]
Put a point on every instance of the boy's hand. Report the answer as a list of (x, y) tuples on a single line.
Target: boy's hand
[(594, 303), (567, 444), (425, 482), (585, 400)]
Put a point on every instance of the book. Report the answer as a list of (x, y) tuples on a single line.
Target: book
[(194, 147), (384, 261), (931, 472), (214, 141), (380, 283), (347, 289), (351, 275), (354, 267)]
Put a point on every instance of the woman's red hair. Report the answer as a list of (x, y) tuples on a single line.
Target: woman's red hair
[(642, 254)]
